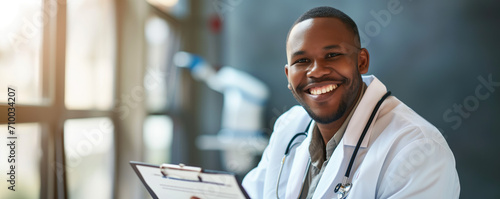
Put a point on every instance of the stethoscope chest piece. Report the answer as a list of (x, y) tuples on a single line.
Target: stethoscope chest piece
[(342, 190)]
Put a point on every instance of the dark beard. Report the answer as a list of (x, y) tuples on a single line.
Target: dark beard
[(344, 104), (328, 119)]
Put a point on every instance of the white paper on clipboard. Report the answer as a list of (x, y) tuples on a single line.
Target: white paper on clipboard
[(185, 182)]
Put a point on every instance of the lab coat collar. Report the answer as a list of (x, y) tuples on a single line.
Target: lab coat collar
[(373, 93)]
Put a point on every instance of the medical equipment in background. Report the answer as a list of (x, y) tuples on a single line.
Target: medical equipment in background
[(241, 138)]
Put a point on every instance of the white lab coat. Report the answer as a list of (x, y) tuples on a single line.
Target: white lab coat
[(401, 156)]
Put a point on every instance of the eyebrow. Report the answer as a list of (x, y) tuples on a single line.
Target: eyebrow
[(331, 47), (301, 52)]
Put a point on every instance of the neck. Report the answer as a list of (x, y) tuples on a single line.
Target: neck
[(328, 130)]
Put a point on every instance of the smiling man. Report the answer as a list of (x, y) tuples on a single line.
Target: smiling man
[(357, 141)]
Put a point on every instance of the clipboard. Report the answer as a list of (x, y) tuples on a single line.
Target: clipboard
[(179, 181)]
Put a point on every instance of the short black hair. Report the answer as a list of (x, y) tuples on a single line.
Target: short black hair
[(326, 11)]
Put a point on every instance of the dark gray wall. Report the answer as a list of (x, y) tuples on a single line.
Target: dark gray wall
[(431, 55)]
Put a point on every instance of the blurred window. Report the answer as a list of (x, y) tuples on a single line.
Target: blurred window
[(160, 75), (89, 155), (90, 54), (37, 43), (158, 130), (28, 155), (21, 28), (32, 54)]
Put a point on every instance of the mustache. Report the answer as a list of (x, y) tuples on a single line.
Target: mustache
[(301, 86)]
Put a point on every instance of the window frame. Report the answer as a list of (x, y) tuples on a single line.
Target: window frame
[(51, 113)]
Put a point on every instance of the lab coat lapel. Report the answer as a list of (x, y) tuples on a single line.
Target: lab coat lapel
[(332, 173), (298, 169), (335, 169), (360, 117)]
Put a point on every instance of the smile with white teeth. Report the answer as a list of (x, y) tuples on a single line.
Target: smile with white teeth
[(323, 89)]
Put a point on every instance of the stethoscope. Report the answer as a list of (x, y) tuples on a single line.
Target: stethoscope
[(342, 189)]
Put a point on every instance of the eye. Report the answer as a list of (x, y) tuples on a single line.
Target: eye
[(332, 55), (300, 61)]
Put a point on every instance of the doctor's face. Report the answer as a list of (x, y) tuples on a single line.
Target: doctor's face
[(324, 67)]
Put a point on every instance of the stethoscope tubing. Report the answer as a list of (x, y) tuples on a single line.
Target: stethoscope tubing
[(287, 151), (344, 187), (367, 126)]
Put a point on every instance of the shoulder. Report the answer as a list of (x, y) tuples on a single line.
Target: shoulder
[(416, 154), (401, 133), (293, 121), (292, 115), (401, 121)]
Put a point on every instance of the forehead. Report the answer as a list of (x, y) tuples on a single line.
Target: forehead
[(326, 30)]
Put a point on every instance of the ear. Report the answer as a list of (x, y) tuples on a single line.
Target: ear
[(363, 61), (286, 70), (286, 73)]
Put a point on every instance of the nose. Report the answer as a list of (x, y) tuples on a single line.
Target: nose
[(318, 70)]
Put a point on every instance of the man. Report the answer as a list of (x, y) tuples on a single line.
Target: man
[(401, 155)]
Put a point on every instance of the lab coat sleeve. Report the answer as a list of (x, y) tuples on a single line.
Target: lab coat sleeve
[(255, 180), (424, 168)]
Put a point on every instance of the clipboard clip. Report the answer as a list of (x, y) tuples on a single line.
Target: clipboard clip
[(181, 171)]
